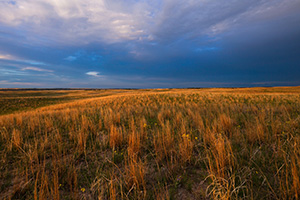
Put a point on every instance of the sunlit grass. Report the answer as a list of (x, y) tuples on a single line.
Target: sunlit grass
[(156, 144)]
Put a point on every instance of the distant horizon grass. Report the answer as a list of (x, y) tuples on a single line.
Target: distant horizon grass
[(210, 143)]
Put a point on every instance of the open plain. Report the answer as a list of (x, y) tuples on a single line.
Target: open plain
[(227, 143)]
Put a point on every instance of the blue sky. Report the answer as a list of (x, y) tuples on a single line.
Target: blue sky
[(149, 44)]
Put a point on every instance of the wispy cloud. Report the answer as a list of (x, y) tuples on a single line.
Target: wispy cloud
[(17, 64), (201, 49), (6, 57), (36, 69), (4, 72), (32, 62), (18, 83), (71, 58)]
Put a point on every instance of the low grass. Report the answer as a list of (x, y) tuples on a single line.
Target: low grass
[(153, 144), (16, 100)]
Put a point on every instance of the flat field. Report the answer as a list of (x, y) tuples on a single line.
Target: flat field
[(150, 144)]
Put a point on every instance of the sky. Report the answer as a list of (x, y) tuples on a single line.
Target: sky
[(149, 43)]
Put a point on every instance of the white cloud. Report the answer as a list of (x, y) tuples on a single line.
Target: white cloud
[(95, 74)]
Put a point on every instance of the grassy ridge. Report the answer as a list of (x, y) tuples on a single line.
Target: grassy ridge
[(156, 144)]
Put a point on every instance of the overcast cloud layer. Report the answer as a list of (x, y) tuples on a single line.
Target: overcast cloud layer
[(157, 43)]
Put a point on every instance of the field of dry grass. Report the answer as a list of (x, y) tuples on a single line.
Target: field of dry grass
[(155, 144), (16, 100)]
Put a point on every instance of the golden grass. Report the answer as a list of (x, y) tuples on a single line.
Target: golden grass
[(156, 144)]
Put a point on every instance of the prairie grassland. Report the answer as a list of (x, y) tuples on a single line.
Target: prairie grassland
[(156, 144), (16, 100)]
